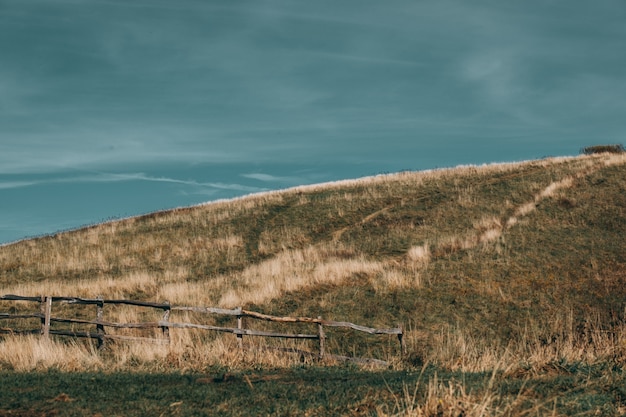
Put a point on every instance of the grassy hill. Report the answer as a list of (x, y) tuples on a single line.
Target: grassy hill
[(515, 270)]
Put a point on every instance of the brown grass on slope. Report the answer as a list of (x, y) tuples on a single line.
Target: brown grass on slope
[(436, 238)]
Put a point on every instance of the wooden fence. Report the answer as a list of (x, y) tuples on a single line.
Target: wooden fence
[(165, 323)]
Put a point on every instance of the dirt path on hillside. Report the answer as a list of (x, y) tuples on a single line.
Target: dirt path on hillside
[(471, 239), (551, 189)]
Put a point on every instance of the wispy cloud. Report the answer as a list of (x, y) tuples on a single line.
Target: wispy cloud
[(215, 185), (16, 184), (272, 178), (127, 177)]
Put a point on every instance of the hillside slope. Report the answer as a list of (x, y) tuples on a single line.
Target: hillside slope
[(472, 261)]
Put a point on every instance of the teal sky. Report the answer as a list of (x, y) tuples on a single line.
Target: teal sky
[(114, 108)]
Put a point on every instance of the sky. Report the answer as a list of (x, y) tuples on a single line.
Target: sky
[(114, 108)]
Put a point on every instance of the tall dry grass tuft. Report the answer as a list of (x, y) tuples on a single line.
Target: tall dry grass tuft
[(443, 399), (615, 159), (393, 279), (137, 356), (555, 341), (409, 274), (34, 353), (419, 256), (456, 349)]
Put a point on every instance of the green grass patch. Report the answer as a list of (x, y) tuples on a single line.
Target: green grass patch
[(565, 389)]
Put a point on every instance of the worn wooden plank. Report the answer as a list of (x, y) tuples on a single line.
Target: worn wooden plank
[(80, 321), (78, 300), (135, 339), (211, 310), (250, 332), (11, 297), (360, 328), (20, 316), (196, 326), (96, 301), (268, 317), (12, 331), (139, 303), (329, 323), (242, 332), (73, 333), (144, 325), (106, 336)]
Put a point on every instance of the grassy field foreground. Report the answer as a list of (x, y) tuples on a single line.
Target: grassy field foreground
[(565, 390), (509, 279)]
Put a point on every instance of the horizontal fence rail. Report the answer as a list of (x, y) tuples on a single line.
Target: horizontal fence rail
[(165, 324)]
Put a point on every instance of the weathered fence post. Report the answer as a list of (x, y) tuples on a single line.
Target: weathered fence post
[(166, 318), (46, 310), (99, 327), (322, 337), (401, 339), (239, 327)]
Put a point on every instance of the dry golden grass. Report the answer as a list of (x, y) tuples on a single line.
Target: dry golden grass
[(524, 359), (446, 399), (419, 255), (538, 348), (456, 349), (434, 232), (285, 238), (290, 271), (188, 351), (34, 353), (136, 282)]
